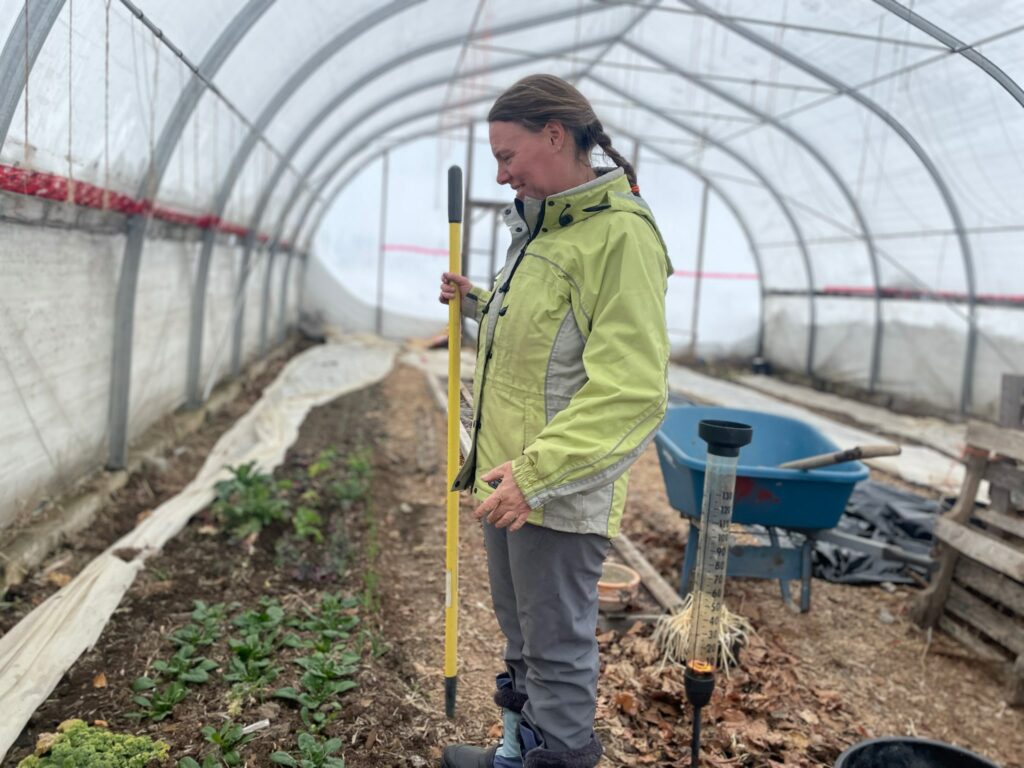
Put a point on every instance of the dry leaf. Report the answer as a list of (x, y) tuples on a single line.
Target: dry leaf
[(58, 578), (808, 717), (208, 530), (99, 681), (101, 723), (627, 703)]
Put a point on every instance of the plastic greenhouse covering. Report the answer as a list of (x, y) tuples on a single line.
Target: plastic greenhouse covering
[(841, 186)]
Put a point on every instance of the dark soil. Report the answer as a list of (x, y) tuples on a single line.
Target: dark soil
[(808, 686)]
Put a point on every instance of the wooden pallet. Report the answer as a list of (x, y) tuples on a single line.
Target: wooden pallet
[(977, 594)]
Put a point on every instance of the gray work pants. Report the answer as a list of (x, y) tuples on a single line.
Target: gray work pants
[(544, 588)]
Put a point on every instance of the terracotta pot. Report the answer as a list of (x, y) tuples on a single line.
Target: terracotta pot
[(617, 587)]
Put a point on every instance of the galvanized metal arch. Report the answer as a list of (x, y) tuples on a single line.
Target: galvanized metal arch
[(844, 189), (337, 101), (774, 193), (391, 98), (31, 31), (723, 195), (124, 307), (274, 105), (956, 46), (765, 182), (940, 183)]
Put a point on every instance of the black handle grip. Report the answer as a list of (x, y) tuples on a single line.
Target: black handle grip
[(454, 194)]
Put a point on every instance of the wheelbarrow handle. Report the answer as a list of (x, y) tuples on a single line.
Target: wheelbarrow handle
[(838, 457)]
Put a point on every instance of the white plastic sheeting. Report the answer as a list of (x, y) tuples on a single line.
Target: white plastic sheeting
[(36, 653), (841, 138), (57, 302)]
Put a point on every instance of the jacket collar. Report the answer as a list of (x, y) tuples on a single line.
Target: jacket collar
[(588, 199)]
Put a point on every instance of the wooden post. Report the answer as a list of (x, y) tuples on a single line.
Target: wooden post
[(927, 608)]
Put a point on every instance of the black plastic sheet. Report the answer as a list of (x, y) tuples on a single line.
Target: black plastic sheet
[(881, 513)]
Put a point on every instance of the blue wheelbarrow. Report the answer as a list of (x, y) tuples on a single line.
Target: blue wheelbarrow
[(808, 502)]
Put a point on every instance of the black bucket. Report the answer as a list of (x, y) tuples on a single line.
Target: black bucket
[(902, 752)]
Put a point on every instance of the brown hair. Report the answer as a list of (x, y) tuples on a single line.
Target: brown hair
[(536, 100)]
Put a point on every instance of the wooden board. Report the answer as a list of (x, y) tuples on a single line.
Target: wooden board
[(971, 641), (993, 585), (1007, 631), (1005, 475), (981, 547), (1008, 522), (1008, 442)]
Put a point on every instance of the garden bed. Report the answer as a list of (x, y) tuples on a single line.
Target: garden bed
[(808, 685)]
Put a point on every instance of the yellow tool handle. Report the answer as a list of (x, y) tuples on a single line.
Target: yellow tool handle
[(451, 558)]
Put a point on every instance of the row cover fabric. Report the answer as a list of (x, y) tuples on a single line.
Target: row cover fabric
[(43, 646)]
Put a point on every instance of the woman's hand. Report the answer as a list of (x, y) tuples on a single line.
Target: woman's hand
[(449, 282), (506, 507)]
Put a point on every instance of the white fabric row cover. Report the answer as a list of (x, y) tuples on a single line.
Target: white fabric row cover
[(43, 646)]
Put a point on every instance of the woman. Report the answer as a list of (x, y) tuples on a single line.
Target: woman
[(570, 388)]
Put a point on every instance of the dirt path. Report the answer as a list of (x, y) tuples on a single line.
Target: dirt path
[(809, 685)]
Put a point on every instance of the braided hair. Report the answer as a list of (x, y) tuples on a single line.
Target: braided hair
[(536, 100)]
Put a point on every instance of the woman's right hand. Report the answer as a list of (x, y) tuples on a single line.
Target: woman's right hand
[(451, 280)]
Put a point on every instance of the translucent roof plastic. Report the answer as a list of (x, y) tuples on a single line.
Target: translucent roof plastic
[(864, 149)]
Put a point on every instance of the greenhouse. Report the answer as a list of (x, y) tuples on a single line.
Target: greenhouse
[(234, 409)]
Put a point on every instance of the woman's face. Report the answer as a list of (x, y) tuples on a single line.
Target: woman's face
[(529, 162)]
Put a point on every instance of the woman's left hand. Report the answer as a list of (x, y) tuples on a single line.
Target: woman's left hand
[(506, 507)]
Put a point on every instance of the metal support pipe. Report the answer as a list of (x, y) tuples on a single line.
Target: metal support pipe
[(241, 156), (382, 251), (956, 45), (412, 89), (874, 367), (765, 182), (239, 304), (699, 271), (733, 208), (908, 138), (124, 309), (19, 55), (268, 277), (282, 307), (404, 57), (467, 220)]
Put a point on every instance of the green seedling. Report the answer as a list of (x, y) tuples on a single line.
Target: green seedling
[(358, 463), (335, 619), (313, 753), (160, 703), (307, 523), (323, 463), (185, 667), (249, 501), (325, 678), (83, 746), (250, 662), (267, 618), (228, 739)]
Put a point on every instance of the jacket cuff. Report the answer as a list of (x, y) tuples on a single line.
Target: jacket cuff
[(473, 302), (525, 475)]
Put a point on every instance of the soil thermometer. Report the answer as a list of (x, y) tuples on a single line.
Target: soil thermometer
[(724, 439), (451, 556)]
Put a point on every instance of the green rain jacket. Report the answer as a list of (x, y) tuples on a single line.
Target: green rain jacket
[(572, 354)]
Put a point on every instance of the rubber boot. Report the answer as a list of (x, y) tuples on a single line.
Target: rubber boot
[(505, 754), (536, 755)]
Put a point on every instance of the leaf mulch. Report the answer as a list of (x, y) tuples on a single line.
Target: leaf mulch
[(807, 685)]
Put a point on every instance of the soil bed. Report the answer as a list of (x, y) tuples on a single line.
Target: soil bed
[(808, 685)]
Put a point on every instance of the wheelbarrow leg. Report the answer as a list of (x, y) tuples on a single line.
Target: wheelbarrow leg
[(689, 558), (787, 598), (805, 574)]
